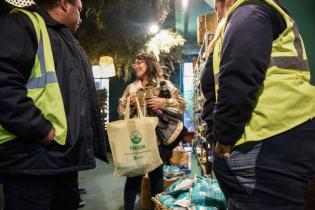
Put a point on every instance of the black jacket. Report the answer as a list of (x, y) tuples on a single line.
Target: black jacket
[(245, 57), (207, 85), (19, 115)]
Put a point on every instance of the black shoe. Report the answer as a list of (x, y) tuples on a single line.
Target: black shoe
[(81, 203), (82, 190)]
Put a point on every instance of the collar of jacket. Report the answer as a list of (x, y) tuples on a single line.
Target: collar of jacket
[(139, 85), (47, 18)]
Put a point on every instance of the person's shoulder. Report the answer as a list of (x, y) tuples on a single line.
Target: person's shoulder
[(16, 22), (133, 83), (169, 83), (15, 19), (252, 7), (258, 8), (253, 10), (132, 87)]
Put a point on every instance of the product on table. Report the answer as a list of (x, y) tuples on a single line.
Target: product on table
[(207, 192), (172, 171), (199, 207), (182, 185), (180, 208), (198, 194), (183, 200), (167, 201)]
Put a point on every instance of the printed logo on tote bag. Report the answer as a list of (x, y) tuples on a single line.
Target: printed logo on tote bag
[(135, 137)]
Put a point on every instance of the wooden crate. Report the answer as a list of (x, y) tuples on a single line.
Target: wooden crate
[(145, 193), (201, 30), (179, 157), (206, 24), (211, 22), (169, 182), (158, 205), (145, 190)]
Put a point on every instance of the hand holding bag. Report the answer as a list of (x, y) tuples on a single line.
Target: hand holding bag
[(134, 144)]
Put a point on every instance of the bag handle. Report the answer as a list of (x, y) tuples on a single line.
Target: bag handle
[(127, 112), (139, 111)]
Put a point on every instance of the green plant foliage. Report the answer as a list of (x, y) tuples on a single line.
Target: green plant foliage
[(119, 28), (115, 28), (167, 48)]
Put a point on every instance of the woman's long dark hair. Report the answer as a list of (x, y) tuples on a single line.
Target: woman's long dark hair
[(154, 69)]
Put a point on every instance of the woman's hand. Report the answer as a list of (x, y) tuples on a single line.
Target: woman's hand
[(133, 100), (156, 103)]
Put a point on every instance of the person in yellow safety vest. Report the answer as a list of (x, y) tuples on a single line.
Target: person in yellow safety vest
[(49, 119), (207, 78), (263, 116)]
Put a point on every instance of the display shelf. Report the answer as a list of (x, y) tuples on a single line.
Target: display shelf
[(202, 166), (203, 155), (201, 137), (202, 147)]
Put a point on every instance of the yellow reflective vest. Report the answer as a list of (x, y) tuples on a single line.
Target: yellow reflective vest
[(286, 98), (42, 86)]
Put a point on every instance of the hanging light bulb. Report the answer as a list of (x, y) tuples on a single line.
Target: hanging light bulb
[(154, 29), (185, 4), (107, 66)]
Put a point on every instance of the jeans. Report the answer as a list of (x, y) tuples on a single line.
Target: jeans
[(133, 186), (270, 174)]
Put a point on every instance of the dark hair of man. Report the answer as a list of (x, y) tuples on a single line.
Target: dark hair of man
[(154, 69), (51, 3)]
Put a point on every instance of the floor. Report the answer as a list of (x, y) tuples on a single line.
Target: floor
[(104, 191)]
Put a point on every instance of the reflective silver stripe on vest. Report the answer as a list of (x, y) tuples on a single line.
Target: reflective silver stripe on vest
[(216, 79), (46, 77), (290, 62)]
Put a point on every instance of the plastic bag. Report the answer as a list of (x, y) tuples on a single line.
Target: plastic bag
[(199, 207), (182, 185), (167, 201), (183, 200), (171, 171), (207, 192)]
